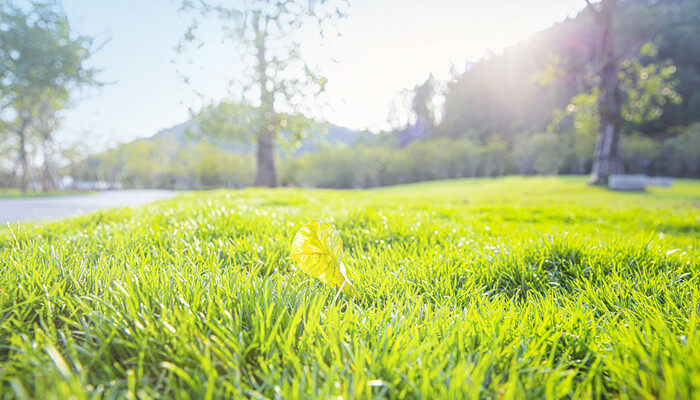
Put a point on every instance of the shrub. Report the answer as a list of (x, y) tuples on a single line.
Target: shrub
[(680, 153)]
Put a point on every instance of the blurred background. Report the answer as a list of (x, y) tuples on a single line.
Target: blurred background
[(197, 94)]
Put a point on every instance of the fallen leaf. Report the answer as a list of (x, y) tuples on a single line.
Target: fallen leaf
[(318, 251)]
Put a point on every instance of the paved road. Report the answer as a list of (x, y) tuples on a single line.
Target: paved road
[(45, 208)]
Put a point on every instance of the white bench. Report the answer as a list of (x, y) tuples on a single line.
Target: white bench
[(636, 182), (659, 181), (627, 182)]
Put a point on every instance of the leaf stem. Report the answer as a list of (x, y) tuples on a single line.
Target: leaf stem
[(340, 289)]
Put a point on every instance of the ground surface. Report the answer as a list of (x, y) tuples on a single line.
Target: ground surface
[(34, 208), (491, 288)]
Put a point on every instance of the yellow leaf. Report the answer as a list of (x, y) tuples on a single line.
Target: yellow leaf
[(318, 250)]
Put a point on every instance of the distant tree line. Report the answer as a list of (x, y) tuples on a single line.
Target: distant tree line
[(444, 158), (165, 163)]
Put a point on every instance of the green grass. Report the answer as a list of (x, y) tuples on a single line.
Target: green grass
[(484, 288), (13, 193)]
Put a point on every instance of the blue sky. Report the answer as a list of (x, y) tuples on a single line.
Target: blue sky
[(386, 45)]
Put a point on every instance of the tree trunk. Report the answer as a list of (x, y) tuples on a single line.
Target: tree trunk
[(50, 176), (607, 158), (23, 160), (46, 119), (266, 174)]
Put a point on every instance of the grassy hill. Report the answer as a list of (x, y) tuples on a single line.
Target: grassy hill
[(483, 288)]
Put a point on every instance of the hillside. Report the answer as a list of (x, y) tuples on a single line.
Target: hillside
[(519, 90), (335, 135)]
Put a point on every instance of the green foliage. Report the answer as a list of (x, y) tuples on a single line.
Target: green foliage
[(167, 164), (235, 122), (518, 90), (361, 166), (565, 148), (42, 62), (483, 288), (648, 88), (577, 126), (639, 152), (39, 53), (539, 153), (337, 167), (679, 153)]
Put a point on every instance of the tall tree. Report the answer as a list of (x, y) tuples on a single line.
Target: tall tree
[(607, 158), (280, 80), (422, 103), (506, 94), (39, 56)]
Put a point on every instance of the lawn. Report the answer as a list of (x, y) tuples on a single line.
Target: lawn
[(482, 288), (14, 193)]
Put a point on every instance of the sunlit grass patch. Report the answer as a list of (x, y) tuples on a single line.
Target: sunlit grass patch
[(537, 287)]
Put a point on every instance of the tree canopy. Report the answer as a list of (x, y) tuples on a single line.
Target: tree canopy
[(41, 63), (519, 89), (277, 79)]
